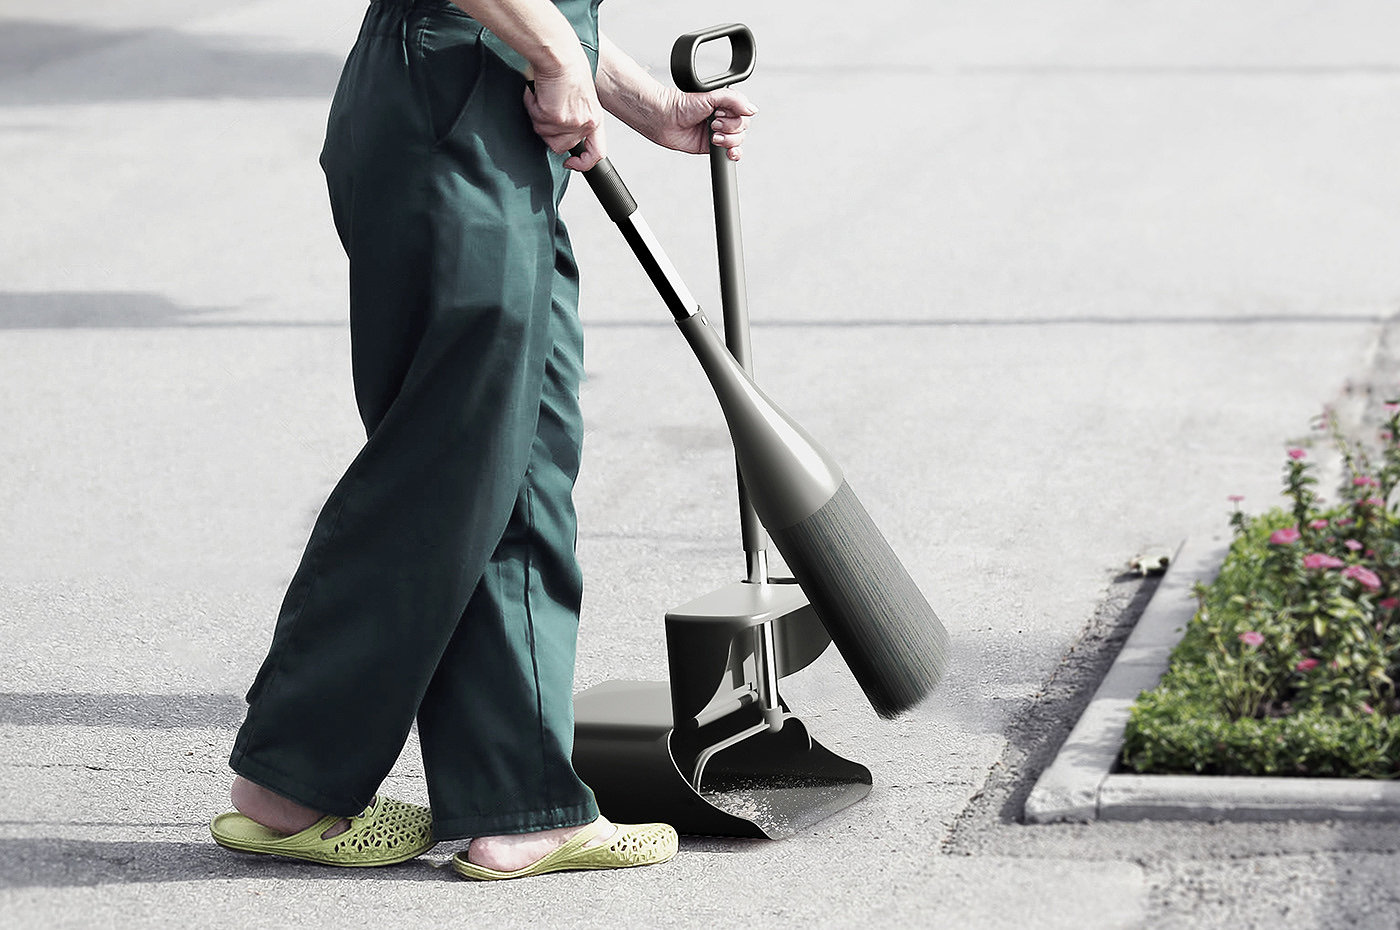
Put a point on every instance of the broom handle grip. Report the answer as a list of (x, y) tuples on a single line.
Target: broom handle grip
[(616, 199)]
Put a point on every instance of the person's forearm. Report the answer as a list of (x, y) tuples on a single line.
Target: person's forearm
[(534, 28), (626, 90)]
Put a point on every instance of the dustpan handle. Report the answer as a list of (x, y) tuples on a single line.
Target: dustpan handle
[(735, 303), (729, 241)]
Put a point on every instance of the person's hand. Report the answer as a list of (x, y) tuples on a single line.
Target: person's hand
[(690, 122), (564, 110)]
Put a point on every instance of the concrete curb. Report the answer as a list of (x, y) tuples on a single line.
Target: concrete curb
[(1080, 786)]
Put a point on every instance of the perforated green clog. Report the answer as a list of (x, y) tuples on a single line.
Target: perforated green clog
[(384, 833), (630, 845)]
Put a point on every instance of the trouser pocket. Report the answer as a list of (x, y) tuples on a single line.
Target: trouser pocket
[(446, 56)]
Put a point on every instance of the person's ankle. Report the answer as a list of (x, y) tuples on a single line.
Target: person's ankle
[(274, 811)]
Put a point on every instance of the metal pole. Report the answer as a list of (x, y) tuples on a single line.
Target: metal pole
[(735, 303), (734, 300)]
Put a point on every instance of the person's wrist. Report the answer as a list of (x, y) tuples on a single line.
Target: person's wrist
[(555, 61), (659, 108)]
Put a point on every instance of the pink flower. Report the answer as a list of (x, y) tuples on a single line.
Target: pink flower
[(1320, 560), (1367, 708), (1318, 525), (1363, 576), (1296, 454), (1390, 603), (1236, 498), (1345, 521), (1285, 537), (1365, 481), (1307, 665), (1373, 502), (1385, 435), (1353, 545), (1252, 638)]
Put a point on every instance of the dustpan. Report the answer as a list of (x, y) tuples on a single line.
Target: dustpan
[(716, 750)]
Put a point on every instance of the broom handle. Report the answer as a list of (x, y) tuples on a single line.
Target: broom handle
[(618, 204), (621, 208)]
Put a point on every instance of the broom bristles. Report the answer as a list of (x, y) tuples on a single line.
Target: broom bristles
[(879, 620)]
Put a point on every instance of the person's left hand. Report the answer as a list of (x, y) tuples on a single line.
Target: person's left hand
[(690, 122)]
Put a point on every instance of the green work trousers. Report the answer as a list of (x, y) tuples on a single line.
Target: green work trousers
[(440, 581)]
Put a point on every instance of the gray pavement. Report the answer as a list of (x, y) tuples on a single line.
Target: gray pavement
[(1050, 280)]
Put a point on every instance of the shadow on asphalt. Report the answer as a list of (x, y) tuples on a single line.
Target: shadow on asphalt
[(122, 310), (152, 64), (47, 862), (95, 310), (142, 711)]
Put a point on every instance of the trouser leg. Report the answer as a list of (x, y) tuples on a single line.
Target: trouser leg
[(452, 254), (496, 724)]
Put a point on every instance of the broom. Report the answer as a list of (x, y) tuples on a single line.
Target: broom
[(880, 622)]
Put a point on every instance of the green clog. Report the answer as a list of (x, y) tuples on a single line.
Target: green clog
[(384, 833), (632, 844)]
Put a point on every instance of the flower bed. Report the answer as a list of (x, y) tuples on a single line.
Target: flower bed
[(1289, 665)]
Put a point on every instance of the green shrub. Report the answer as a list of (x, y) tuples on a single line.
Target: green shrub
[(1289, 665)]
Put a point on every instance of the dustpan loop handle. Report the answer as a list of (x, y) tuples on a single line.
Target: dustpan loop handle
[(741, 57)]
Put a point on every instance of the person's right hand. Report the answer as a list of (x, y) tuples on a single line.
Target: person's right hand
[(565, 111)]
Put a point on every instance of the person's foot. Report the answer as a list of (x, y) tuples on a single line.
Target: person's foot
[(275, 812), (599, 845), (513, 852), (386, 832)]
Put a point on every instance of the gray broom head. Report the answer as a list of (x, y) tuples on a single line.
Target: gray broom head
[(877, 617)]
